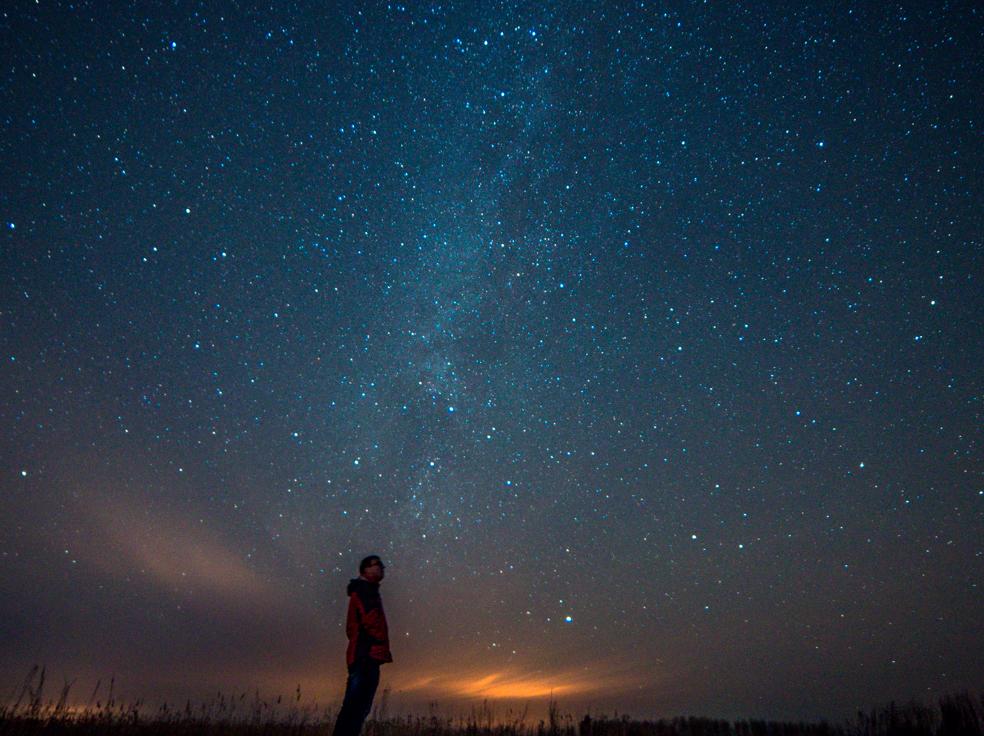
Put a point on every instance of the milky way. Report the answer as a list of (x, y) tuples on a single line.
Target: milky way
[(642, 341)]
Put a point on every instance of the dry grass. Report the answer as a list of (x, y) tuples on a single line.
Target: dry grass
[(30, 712)]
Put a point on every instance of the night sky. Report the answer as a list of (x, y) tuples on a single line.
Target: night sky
[(643, 341)]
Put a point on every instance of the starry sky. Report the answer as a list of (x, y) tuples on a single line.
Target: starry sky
[(642, 340)]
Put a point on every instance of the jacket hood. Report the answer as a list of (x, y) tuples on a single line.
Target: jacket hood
[(361, 585)]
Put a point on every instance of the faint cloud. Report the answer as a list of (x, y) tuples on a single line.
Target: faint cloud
[(522, 684), (181, 554)]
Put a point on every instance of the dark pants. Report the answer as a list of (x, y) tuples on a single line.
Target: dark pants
[(363, 679)]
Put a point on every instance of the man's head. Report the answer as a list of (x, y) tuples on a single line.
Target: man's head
[(372, 568)]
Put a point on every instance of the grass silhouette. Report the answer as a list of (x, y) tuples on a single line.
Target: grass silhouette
[(30, 711)]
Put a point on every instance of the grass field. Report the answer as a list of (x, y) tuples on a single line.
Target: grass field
[(34, 712)]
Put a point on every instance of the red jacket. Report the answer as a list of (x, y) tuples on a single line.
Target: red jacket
[(365, 624)]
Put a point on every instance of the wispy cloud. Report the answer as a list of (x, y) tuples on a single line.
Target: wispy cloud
[(181, 554), (518, 683)]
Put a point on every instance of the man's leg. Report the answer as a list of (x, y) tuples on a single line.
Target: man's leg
[(360, 689), (370, 681)]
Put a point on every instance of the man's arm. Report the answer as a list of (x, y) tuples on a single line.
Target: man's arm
[(352, 619), (374, 624)]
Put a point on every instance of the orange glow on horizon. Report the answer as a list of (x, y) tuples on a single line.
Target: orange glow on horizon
[(500, 685), (519, 685)]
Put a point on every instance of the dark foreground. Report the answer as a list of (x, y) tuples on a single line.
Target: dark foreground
[(952, 715)]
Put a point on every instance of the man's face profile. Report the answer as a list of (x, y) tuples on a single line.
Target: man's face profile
[(374, 571)]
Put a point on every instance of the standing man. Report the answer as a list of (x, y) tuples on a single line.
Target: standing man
[(368, 646)]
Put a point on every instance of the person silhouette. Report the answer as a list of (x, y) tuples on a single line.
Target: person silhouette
[(368, 646)]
